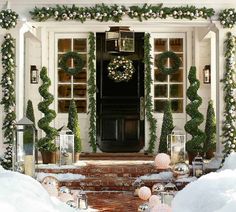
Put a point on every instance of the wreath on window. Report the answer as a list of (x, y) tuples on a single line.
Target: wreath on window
[(78, 63), (160, 62), (120, 69)]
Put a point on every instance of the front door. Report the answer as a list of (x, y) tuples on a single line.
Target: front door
[(120, 105)]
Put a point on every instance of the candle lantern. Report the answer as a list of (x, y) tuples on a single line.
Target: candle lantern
[(176, 145), (169, 193), (65, 142), (82, 200), (137, 184), (207, 74), (24, 148), (198, 166)]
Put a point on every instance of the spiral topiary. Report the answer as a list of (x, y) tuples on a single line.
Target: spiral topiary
[(46, 143), (195, 144)]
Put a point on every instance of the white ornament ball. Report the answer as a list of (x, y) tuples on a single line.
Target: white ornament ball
[(154, 200), (162, 161), (161, 208), (144, 193)]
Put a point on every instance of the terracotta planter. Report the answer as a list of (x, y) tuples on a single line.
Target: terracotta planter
[(76, 157), (48, 157)]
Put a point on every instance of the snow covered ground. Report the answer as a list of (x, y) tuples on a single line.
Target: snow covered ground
[(214, 192), (60, 177)]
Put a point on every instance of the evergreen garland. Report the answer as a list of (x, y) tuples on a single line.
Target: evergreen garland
[(195, 144), (229, 129), (167, 127), (148, 98), (92, 92), (8, 98), (210, 128), (46, 143), (8, 19), (104, 13), (73, 125), (227, 18)]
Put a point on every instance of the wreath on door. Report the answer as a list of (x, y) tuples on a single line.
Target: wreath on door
[(78, 63), (120, 69)]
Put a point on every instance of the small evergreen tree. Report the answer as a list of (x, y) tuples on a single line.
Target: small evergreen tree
[(210, 128), (167, 127), (73, 125), (195, 144)]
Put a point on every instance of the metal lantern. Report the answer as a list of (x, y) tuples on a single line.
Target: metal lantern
[(198, 166), (157, 188), (137, 184), (23, 149), (176, 145), (65, 142), (169, 193), (82, 200), (144, 207)]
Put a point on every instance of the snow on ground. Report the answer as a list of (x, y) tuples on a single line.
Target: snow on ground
[(214, 192), (60, 177)]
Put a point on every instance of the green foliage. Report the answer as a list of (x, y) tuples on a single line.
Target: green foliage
[(92, 92), (46, 143), (8, 98), (210, 128), (195, 144), (227, 17), (73, 125), (104, 13), (167, 127), (148, 98), (8, 19)]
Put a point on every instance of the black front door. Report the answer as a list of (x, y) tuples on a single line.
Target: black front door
[(120, 113)]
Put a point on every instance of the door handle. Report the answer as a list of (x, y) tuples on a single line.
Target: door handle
[(142, 108)]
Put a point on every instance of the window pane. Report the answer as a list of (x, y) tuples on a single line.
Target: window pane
[(159, 105), (176, 44), (68, 62), (177, 76), (63, 76), (165, 61), (84, 58), (177, 105), (176, 91), (81, 106), (81, 77), (79, 91), (64, 91), (161, 91), (80, 45), (181, 60), (160, 45), (159, 76), (64, 45), (63, 106)]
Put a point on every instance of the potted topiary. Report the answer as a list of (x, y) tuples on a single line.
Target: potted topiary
[(46, 144), (195, 144)]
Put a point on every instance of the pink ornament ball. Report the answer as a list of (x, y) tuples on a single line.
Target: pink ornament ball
[(65, 197), (154, 200), (144, 193), (162, 161), (161, 208)]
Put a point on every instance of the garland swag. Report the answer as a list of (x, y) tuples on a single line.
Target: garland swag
[(148, 98), (8, 19), (229, 129), (92, 92), (8, 99)]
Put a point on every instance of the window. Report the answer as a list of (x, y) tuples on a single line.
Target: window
[(72, 87), (169, 86)]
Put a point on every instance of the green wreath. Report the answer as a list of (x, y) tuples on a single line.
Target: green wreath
[(78, 63), (160, 62), (120, 69)]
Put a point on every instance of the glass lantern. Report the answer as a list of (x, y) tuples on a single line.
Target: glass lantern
[(82, 200), (24, 148), (169, 193), (198, 166), (65, 142), (176, 145)]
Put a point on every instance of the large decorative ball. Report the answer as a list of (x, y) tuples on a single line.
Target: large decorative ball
[(157, 188), (51, 185), (144, 193), (161, 208), (154, 200), (144, 207), (181, 170), (162, 161)]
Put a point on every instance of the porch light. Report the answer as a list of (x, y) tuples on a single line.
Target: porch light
[(82, 200), (198, 166), (23, 148), (119, 39), (207, 74), (33, 74)]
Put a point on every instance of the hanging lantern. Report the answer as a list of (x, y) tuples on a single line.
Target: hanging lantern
[(82, 200), (169, 193), (207, 74), (198, 166)]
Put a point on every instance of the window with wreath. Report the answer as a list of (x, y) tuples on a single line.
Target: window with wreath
[(72, 86), (169, 86)]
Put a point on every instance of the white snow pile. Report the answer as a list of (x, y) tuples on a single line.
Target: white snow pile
[(60, 177), (214, 192), (161, 176), (21, 193)]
